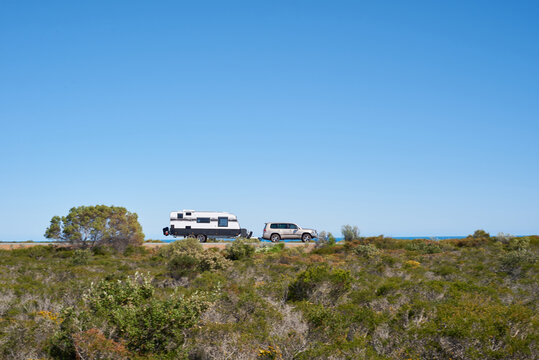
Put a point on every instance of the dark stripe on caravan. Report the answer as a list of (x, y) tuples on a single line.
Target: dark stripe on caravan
[(208, 232)]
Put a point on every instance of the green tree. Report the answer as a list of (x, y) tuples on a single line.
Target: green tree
[(350, 232), (90, 226), (480, 234)]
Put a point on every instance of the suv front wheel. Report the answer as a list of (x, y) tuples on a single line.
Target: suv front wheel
[(306, 237), (275, 237)]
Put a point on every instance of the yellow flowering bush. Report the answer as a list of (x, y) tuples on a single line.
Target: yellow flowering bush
[(48, 315), (270, 353), (413, 263)]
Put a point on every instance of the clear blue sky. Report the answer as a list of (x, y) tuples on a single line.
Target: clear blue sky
[(404, 118)]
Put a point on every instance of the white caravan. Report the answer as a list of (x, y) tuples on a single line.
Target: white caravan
[(201, 224)]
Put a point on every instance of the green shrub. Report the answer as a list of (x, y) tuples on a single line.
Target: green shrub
[(504, 238), (480, 234), (519, 244), (103, 250), (93, 344), (130, 313), (367, 251), (516, 259), (187, 256), (182, 265), (308, 280), (188, 245), (38, 252), (382, 242), (81, 257), (423, 247), (388, 286), (270, 248), (350, 232), (324, 239), (239, 249)]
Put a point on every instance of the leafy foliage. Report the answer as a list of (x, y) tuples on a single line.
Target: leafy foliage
[(469, 299), (305, 284), (186, 257), (367, 251), (128, 311), (350, 232), (325, 239), (423, 247), (90, 226), (240, 249)]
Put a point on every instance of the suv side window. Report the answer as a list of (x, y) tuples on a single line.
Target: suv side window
[(273, 226), (292, 226), (283, 226)]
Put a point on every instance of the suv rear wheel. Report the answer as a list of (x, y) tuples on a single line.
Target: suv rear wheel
[(275, 237), (306, 237)]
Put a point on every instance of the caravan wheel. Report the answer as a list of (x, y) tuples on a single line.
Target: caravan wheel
[(201, 237)]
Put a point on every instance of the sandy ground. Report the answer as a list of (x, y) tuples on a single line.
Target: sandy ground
[(10, 246)]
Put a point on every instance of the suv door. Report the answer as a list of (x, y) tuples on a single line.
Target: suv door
[(283, 230), (276, 228), (293, 231)]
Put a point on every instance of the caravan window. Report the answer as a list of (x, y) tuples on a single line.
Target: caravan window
[(203, 220), (223, 222), (180, 216), (187, 214)]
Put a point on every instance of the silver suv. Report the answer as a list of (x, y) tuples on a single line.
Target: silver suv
[(277, 231)]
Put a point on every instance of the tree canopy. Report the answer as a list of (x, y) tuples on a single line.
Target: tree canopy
[(90, 226)]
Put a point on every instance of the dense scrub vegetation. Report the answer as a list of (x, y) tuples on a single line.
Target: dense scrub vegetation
[(371, 298)]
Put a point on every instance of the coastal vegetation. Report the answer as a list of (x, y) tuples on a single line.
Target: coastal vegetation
[(90, 226), (367, 298)]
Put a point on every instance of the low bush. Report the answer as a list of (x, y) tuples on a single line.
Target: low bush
[(504, 238), (239, 249), (93, 344), (81, 257), (368, 251), (423, 247), (472, 302), (103, 250), (188, 257), (382, 242), (514, 260), (307, 281), (127, 312), (519, 244), (325, 239), (270, 248)]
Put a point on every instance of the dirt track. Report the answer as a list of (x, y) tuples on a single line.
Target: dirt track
[(11, 246)]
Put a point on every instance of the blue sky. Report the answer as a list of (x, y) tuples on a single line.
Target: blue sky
[(404, 118)]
